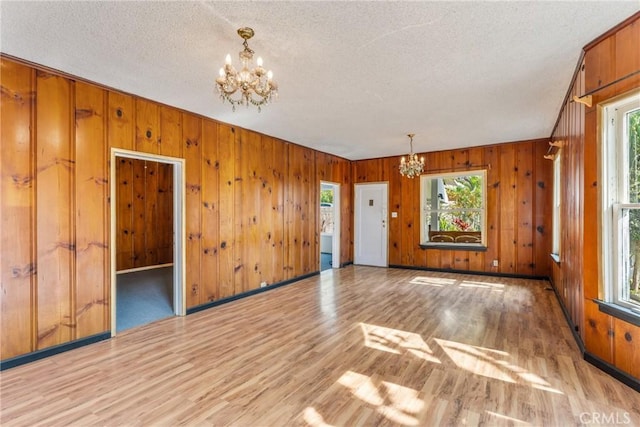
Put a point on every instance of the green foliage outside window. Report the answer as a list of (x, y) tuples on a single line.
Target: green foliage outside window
[(634, 197), (326, 196), (463, 193)]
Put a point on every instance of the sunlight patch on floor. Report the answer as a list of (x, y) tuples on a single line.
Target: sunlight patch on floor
[(440, 282), (313, 418), (505, 419), (397, 342), (491, 363), (496, 287), (397, 403), (432, 281)]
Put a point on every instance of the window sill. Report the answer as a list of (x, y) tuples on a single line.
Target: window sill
[(619, 312), (555, 258), (454, 247)]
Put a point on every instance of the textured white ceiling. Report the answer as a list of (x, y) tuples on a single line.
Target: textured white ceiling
[(354, 77)]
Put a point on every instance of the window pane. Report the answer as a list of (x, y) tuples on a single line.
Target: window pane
[(463, 192), (632, 124), (453, 208), (630, 292), (454, 220)]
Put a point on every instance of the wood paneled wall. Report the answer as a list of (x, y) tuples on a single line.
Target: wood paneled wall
[(144, 206), (518, 208), (577, 278), (251, 203)]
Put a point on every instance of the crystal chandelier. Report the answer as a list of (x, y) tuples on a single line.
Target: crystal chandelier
[(255, 85), (413, 166)]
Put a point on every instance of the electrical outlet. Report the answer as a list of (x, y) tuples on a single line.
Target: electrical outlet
[(495, 263), (263, 284)]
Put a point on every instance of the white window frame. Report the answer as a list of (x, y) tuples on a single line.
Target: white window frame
[(424, 241), (557, 202), (614, 203)]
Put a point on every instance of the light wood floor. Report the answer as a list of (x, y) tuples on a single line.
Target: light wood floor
[(356, 346)]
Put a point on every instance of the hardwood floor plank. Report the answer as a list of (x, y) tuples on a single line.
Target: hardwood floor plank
[(354, 346)]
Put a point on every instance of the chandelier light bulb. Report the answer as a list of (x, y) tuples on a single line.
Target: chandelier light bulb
[(221, 72), (249, 86), (411, 167)]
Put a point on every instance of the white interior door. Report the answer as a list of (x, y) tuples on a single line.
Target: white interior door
[(371, 224)]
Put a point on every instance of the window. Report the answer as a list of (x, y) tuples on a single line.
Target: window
[(556, 205), (453, 209), (621, 202)]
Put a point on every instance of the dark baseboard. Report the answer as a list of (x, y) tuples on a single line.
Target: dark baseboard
[(475, 273), (344, 264), (41, 354), (616, 373), (216, 303), (572, 326)]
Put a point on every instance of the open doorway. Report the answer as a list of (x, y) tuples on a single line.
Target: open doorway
[(329, 225), (147, 238)]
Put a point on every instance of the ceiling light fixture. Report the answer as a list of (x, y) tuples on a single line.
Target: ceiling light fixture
[(249, 81), (413, 166)]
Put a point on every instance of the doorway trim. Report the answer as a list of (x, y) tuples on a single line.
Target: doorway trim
[(179, 254), (335, 239)]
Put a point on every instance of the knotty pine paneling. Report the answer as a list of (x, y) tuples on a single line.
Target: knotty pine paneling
[(627, 347), (513, 179), (144, 206), (302, 230), (226, 204), (508, 251), (251, 200), (247, 200), (138, 213), (150, 215), (577, 277), (164, 214), (55, 202), (192, 151), (627, 54), (17, 214), (124, 213), (270, 217), (214, 212), (543, 191), (170, 139), (91, 220), (598, 334), (121, 121), (147, 126), (570, 133)]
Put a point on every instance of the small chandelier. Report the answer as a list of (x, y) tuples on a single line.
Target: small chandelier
[(413, 166), (255, 85)]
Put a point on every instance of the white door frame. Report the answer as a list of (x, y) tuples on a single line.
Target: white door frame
[(335, 239), (179, 257), (385, 220)]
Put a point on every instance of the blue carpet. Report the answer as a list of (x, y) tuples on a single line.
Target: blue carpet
[(143, 297), (325, 261)]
